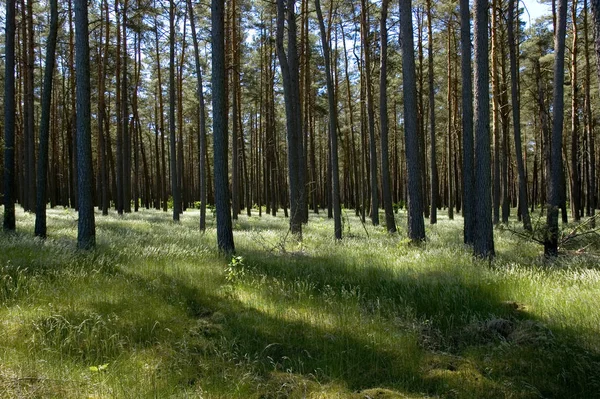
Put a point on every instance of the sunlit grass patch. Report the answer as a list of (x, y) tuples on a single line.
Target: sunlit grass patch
[(156, 311)]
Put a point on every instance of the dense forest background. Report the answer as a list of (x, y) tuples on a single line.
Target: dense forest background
[(318, 107)]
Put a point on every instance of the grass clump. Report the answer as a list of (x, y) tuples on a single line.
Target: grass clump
[(155, 311)]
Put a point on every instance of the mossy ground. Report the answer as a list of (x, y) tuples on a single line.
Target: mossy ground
[(154, 311)]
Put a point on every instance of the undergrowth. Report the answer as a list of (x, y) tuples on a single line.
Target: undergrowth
[(154, 311)]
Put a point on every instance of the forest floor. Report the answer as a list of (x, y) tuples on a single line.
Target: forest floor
[(155, 312)]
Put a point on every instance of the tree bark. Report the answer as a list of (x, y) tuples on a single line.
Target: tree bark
[(9, 222), (223, 212), (42, 170), (172, 123), (290, 72), (371, 113), (556, 168), (390, 222), (467, 124), (434, 183), (416, 225), (86, 232), (516, 111), (335, 189), (483, 244)]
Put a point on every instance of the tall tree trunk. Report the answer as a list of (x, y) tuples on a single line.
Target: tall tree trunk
[(483, 244), (591, 152), (86, 232), (496, 187), (290, 72), (575, 143), (172, 127), (365, 31), (467, 124), (434, 184), (223, 213), (126, 146), (390, 222), (556, 167), (416, 225), (235, 131), (120, 203), (335, 189), (449, 149), (9, 223), (29, 116), (202, 119), (516, 111), (42, 170)]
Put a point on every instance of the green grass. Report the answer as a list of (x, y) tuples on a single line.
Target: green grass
[(156, 312)]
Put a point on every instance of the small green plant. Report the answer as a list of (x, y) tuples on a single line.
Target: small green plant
[(235, 269), (99, 369)]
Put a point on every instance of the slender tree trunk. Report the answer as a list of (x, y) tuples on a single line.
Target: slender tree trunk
[(575, 143), (516, 111), (496, 187), (370, 113), (416, 225), (591, 156), (556, 167), (390, 222), (202, 119), (290, 71), (9, 223), (29, 116), (172, 128), (467, 124), (483, 244), (86, 232), (449, 149), (434, 184), (224, 228), (126, 146), (40, 214), (335, 189), (120, 203)]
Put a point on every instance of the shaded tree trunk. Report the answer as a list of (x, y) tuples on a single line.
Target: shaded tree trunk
[(390, 222), (42, 170), (554, 196), (219, 99), (202, 120), (335, 189), (290, 73), (9, 223), (371, 113), (86, 232), (467, 124), (483, 243), (434, 184), (516, 112), (172, 127), (416, 225)]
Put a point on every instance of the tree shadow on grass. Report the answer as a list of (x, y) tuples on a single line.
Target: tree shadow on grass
[(485, 362), (443, 334)]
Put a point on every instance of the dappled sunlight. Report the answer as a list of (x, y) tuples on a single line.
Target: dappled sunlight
[(155, 310)]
